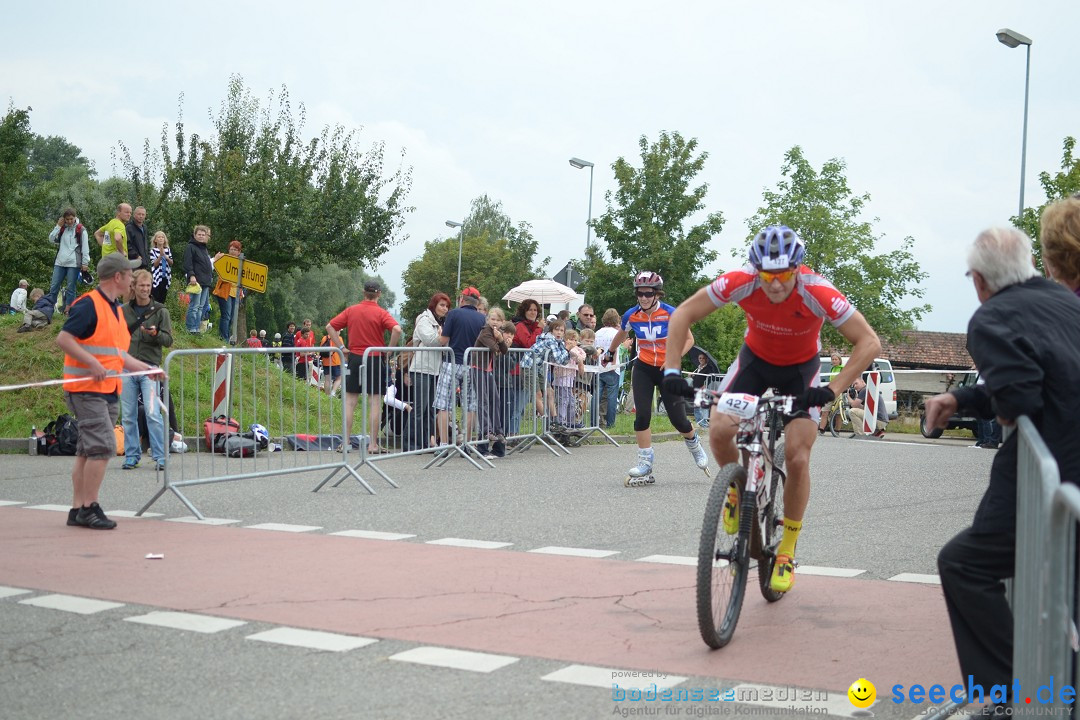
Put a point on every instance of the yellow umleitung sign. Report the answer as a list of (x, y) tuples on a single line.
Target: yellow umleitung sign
[(255, 273)]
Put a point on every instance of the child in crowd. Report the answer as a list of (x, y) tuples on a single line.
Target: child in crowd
[(496, 337), (40, 310), (563, 379), (548, 346)]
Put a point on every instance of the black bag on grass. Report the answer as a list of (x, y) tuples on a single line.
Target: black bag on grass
[(62, 436)]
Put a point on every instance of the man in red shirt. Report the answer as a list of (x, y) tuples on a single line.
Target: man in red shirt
[(366, 324), (786, 304)]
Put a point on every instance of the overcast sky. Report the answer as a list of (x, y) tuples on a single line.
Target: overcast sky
[(919, 98)]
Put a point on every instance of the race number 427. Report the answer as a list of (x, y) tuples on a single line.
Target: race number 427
[(738, 404)]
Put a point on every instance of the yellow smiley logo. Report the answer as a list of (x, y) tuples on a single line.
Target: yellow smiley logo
[(862, 693)]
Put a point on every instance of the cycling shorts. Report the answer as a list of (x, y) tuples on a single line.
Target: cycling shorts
[(752, 375)]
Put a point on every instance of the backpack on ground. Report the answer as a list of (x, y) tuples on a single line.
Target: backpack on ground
[(62, 436), (219, 426)]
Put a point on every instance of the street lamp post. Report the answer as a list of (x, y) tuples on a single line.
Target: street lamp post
[(1012, 39), (461, 237), (579, 164)]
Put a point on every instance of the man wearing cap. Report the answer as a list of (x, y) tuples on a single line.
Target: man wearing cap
[(366, 323), (460, 329), (95, 342)]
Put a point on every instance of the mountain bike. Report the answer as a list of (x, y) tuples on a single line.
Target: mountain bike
[(725, 559)]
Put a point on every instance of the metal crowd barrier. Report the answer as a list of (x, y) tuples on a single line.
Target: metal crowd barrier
[(1043, 590), (305, 427)]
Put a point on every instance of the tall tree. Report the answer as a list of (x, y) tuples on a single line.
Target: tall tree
[(647, 225), (23, 244), (496, 255), (290, 199), (1060, 185), (841, 246)]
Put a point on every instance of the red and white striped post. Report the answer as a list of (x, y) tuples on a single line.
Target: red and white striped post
[(222, 384), (871, 403)]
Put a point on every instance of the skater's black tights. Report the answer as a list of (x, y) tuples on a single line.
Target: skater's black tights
[(644, 380)]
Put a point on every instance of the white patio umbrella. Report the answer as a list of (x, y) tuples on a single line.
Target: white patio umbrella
[(542, 291)]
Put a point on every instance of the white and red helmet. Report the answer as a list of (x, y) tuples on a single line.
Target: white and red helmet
[(648, 279)]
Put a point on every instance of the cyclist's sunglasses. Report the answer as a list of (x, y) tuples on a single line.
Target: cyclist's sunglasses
[(646, 293), (783, 276)]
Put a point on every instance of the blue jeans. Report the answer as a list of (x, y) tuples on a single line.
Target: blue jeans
[(129, 407), (195, 310), (608, 390), (225, 324), (59, 276)]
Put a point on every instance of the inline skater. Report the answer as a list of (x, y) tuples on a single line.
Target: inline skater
[(649, 322), (786, 304)]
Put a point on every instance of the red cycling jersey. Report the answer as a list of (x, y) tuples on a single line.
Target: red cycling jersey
[(787, 333)]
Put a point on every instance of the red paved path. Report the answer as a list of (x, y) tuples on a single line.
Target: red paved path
[(597, 612)]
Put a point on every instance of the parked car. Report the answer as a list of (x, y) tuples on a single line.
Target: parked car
[(886, 383), (964, 422)]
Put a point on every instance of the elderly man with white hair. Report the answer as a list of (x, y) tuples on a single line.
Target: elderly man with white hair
[(1024, 342)]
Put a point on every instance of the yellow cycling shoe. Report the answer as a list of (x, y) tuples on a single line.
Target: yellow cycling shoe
[(731, 511), (783, 574)]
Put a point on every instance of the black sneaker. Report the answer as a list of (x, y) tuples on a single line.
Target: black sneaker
[(498, 449), (71, 517), (94, 517)]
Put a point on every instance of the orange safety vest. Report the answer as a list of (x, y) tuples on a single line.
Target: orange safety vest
[(334, 358), (110, 339)]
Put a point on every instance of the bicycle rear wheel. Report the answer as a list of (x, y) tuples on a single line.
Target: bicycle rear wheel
[(772, 515), (836, 422), (723, 560)]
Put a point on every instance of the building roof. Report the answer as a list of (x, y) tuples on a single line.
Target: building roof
[(925, 349)]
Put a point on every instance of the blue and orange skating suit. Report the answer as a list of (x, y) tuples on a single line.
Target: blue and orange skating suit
[(787, 333), (650, 331)]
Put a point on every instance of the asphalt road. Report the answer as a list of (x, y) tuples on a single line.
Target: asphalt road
[(883, 508)]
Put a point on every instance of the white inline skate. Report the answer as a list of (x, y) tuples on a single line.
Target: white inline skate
[(701, 459), (641, 474)]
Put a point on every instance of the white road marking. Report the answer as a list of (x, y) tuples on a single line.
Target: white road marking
[(602, 677), (131, 514), (186, 621), (373, 535), (196, 521), (71, 603), (917, 578), (456, 659), (462, 542), (12, 502), (6, 591), (54, 508), (827, 571), (284, 527), (669, 559), (312, 639), (574, 552)]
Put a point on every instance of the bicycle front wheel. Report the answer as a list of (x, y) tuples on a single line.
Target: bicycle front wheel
[(836, 422), (772, 520), (723, 559)]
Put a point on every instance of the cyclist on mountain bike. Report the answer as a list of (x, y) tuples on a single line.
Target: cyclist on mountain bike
[(786, 304), (649, 321)]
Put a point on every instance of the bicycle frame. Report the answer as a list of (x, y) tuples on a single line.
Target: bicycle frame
[(759, 516)]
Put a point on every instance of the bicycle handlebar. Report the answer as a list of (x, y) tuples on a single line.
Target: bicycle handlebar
[(743, 405)]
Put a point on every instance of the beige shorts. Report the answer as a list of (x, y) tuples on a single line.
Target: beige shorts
[(97, 420)]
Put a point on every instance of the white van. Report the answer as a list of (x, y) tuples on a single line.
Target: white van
[(886, 385)]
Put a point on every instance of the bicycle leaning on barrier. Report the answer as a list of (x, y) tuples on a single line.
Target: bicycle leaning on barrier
[(744, 516)]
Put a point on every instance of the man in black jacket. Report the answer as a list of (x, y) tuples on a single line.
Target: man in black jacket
[(137, 247), (198, 268), (1024, 342)]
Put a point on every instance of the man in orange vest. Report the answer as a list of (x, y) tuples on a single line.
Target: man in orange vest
[(95, 343)]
